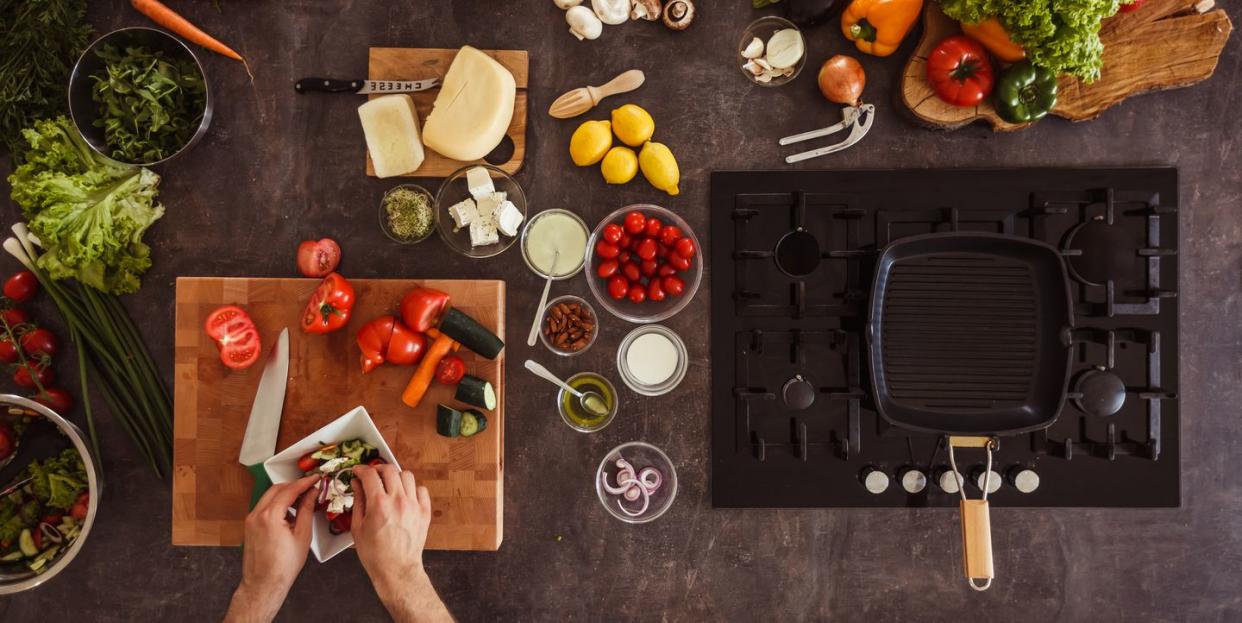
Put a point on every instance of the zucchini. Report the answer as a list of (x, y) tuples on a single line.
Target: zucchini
[(471, 334), (448, 421), (12, 556), (473, 422), (476, 392)]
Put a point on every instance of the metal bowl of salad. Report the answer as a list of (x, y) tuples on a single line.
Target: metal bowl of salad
[(45, 519)]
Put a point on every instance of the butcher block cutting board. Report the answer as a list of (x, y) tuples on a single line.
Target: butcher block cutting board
[(1165, 44), (421, 63), (211, 491)]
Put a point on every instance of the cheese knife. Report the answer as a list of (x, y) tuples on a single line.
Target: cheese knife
[(259, 443), (363, 87)]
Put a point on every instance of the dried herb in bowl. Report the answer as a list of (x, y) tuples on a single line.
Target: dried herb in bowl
[(409, 213), (150, 104)]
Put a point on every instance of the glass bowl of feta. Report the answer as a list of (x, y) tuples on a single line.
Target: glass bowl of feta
[(480, 210)]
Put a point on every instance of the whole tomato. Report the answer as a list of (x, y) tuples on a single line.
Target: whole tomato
[(652, 227), (631, 271), (673, 285), (317, 259), (21, 286), (8, 351), (684, 247), (618, 287), (55, 399), (959, 71), (38, 342), (606, 250), (607, 268), (637, 293), (635, 223), (613, 233), (14, 316), (43, 374), (655, 291)]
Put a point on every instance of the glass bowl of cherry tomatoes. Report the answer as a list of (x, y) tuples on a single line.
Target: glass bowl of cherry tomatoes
[(645, 263)]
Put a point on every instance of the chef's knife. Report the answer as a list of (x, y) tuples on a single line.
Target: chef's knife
[(363, 87), (259, 444)]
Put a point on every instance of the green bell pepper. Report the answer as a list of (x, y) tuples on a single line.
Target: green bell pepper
[(1025, 93)]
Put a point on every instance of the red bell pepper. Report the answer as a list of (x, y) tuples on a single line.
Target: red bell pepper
[(329, 306), (421, 308), (959, 71), (373, 341)]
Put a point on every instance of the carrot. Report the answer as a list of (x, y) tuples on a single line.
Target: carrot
[(426, 370), (166, 17), (434, 333)]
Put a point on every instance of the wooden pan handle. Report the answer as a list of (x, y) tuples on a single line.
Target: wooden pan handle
[(977, 543)]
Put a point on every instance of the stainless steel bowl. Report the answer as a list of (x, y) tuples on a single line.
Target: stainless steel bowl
[(84, 111), (15, 582)]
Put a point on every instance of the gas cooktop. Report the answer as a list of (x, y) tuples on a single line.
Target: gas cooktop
[(793, 258)]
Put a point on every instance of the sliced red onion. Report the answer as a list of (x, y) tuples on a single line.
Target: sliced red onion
[(632, 493), (646, 502), (322, 498), (617, 490), (651, 477)]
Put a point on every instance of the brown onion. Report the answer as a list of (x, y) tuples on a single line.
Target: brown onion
[(841, 80)]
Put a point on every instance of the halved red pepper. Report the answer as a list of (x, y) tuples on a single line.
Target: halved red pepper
[(329, 306), (421, 308), (373, 341)]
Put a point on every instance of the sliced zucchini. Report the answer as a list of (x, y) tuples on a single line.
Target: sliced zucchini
[(476, 392), (26, 543), (448, 421), (471, 334), (473, 422)]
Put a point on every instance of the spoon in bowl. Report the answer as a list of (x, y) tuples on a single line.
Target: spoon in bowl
[(591, 402), (543, 300)]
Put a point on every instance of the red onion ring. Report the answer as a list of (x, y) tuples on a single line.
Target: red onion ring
[(646, 502), (323, 491), (632, 493), (50, 533), (652, 483)]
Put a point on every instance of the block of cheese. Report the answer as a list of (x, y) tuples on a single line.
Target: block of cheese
[(479, 181), (474, 107), (390, 125), (464, 213), (508, 218), (489, 203)]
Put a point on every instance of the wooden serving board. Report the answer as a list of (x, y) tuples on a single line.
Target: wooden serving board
[(211, 491), (1166, 44), (420, 63)]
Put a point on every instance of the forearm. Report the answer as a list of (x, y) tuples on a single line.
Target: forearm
[(412, 599), (254, 606)]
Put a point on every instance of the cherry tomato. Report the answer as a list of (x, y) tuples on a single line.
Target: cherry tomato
[(653, 227), (647, 249), (684, 248), (15, 316), (613, 233), (235, 335), (635, 223), (39, 342), (631, 271), (21, 286), (8, 352), (678, 262), (673, 285), (618, 287), (655, 291), (637, 293), (625, 241), (81, 506), (450, 370), (606, 250), (666, 270), (8, 441), (669, 234), (624, 256), (43, 374), (648, 268), (607, 268), (379, 460), (317, 259), (308, 463), (55, 399)]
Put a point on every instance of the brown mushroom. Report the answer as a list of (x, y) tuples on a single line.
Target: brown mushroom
[(678, 14), (647, 9)]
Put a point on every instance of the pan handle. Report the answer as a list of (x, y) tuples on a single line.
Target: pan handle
[(976, 517)]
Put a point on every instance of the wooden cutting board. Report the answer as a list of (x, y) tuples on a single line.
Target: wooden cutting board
[(211, 491), (1166, 44), (420, 63)]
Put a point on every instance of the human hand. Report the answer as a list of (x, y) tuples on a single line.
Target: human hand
[(391, 516), (273, 551)]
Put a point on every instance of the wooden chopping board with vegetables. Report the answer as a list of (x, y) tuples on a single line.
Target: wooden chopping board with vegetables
[(424, 63), (1164, 44), (211, 490)]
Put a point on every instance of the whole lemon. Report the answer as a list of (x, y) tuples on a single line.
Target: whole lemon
[(633, 125), (660, 167), (590, 142), (620, 165)]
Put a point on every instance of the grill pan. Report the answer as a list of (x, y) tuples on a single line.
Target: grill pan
[(969, 337)]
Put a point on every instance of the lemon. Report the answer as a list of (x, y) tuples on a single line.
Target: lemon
[(620, 165), (660, 167), (590, 142), (633, 125)]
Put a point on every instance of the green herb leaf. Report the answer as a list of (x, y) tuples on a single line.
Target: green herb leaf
[(150, 105)]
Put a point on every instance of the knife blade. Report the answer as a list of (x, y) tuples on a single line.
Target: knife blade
[(363, 87), (259, 442)]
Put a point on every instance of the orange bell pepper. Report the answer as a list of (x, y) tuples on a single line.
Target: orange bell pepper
[(877, 26), (992, 34)]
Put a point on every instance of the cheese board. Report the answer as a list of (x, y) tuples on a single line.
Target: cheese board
[(1166, 44), (211, 490), (424, 63)]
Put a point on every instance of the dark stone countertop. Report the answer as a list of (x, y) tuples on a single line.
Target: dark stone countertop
[(277, 168)]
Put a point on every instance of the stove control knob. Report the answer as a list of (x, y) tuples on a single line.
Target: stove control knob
[(948, 481), (1023, 479), (875, 480), (913, 481), (993, 479)]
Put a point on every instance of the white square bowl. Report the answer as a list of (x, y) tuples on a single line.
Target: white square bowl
[(283, 467)]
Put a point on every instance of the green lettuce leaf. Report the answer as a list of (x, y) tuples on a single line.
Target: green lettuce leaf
[(58, 480)]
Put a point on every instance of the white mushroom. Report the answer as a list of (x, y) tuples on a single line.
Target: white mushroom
[(565, 5), (754, 49), (647, 9), (612, 11), (583, 23)]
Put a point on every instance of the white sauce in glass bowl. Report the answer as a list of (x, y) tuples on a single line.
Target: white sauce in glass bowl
[(651, 358), (553, 231)]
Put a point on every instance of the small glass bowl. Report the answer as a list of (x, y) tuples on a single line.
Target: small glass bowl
[(530, 226), (454, 189), (612, 413), (383, 214), (647, 311), (640, 455), (665, 386), (543, 321), (764, 28)]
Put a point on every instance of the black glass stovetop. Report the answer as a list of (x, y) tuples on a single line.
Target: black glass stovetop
[(792, 260)]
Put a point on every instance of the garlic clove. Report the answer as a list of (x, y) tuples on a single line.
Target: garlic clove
[(785, 48), (754, 49), (753, 67)]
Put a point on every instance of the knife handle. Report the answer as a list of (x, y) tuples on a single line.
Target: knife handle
[(327, 85), (262, 482)]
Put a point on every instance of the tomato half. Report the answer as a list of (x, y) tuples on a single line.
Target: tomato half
[(329, 306), (317, 259), (959, 71), (21, 286), (39, 342), (236, 336)]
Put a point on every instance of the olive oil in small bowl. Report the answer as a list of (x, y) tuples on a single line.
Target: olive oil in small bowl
[(579, 417)]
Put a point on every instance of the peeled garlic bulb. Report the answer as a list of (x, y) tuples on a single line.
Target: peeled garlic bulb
[(785, 48)]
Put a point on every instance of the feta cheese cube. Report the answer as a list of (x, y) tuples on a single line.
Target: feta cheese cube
[(464, 213), (480, 182), (483, 233), (508, 219), (489, 203)]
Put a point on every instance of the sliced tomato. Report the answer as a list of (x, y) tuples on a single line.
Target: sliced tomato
[(317, 259), (329, 306), (55, 399), (21, 286), (308, 463), (38, 342), (450, 370), (81, 506), (235, 335)]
